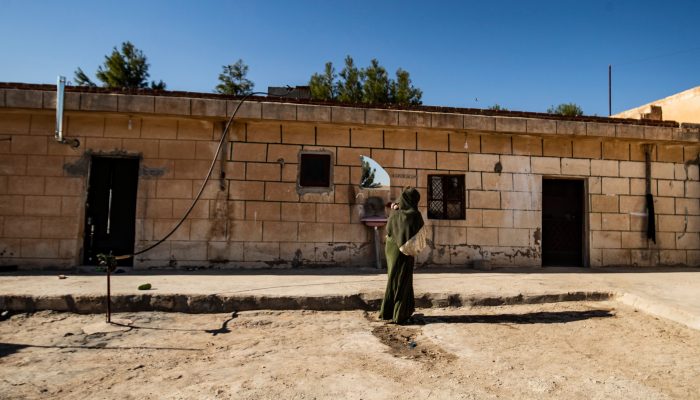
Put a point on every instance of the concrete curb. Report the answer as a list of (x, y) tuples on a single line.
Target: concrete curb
[(198, 304), (660, 310)]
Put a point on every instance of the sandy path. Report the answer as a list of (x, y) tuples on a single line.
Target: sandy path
[(597, 350)]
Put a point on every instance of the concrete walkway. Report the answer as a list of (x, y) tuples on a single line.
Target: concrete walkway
[(669, 293)]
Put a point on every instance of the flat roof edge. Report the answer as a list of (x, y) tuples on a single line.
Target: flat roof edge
[(146, 94)]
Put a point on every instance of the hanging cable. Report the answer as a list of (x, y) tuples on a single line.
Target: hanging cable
[(206, 178)]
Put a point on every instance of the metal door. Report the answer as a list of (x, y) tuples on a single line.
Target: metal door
[(562, 222), (110, 212)]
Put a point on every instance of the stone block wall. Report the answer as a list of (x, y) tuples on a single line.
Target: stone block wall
[(504, 210), (40, 202), (254, 216)]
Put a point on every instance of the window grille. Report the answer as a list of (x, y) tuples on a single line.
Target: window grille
[(446, 197)]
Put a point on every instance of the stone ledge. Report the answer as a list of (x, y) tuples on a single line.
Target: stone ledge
[(106, 101), (511, 125), (381, 117), (598, 129), (479, 122), (71, 101), (208, 108), (247, 110), (541, 126), (348, 115), (630, 131), (418, 119), (173, 105), (23, 98), (216, 303), (687, 132), (279, 111), (308, 113), (571, 128), (658, 133), (136, 104), (446, 121), (98, 102)]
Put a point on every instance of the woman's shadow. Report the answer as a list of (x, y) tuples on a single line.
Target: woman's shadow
[(544, 317)]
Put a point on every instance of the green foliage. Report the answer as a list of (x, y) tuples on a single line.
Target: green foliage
[(498, 107), (566, 109), (376, 86), (82, 79), (145, 286), (123, 69), (367, 179), (107, 260), (233, 80), (322, 85), (350, 87), (370, 85), (401, 92), (160, 85)]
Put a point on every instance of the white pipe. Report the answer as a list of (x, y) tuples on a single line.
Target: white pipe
[(60, 95), (60, 90)]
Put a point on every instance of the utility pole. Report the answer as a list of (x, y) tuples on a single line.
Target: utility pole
[(609, 90)]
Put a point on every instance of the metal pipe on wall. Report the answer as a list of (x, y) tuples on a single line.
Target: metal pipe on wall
[(60, 96)]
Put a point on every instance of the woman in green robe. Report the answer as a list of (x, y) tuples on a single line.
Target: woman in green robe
[(403, 225)]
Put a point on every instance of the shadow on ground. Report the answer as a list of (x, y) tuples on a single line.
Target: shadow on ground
[(558, 317), (7, 349)]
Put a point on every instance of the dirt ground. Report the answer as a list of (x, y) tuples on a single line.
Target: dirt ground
[(596, 350)]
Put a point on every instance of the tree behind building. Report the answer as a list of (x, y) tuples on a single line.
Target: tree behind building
[(233, 80), (566, 109), (370, 85), (125, 69)]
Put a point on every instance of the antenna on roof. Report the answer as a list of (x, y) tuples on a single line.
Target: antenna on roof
[(609, 90)]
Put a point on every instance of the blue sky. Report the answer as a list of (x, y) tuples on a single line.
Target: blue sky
[(523, 55)]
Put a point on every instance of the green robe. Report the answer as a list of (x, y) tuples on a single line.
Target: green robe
[(399, 303)]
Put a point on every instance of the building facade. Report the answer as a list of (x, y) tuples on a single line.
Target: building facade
[(683, 107), (506, 189)]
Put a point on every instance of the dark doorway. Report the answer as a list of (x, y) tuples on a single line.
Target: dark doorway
[(110, 212), (562, 222)]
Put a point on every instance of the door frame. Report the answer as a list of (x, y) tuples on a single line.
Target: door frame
[(85, 233), (585, 217)]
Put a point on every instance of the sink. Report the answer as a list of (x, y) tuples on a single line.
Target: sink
[(374, 221)]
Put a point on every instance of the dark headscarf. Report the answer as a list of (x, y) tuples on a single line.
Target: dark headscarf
[(405, 222)]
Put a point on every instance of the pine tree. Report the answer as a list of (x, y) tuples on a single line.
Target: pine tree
[(369, 85), (349, 89), (233, 80), (402, 92), (123, 69), (322, 86), (375, 89), (81, 78)]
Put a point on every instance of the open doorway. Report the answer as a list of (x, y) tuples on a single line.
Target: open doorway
[(110, 211), (562, 222)]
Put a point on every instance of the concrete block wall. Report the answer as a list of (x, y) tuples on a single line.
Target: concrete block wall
[(40, 202), (259, 219), (504, 210)]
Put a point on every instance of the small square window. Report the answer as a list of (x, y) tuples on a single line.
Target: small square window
[(315, 170), (446, 197)]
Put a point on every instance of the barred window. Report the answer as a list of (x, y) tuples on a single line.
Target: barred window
[(446, 197)]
